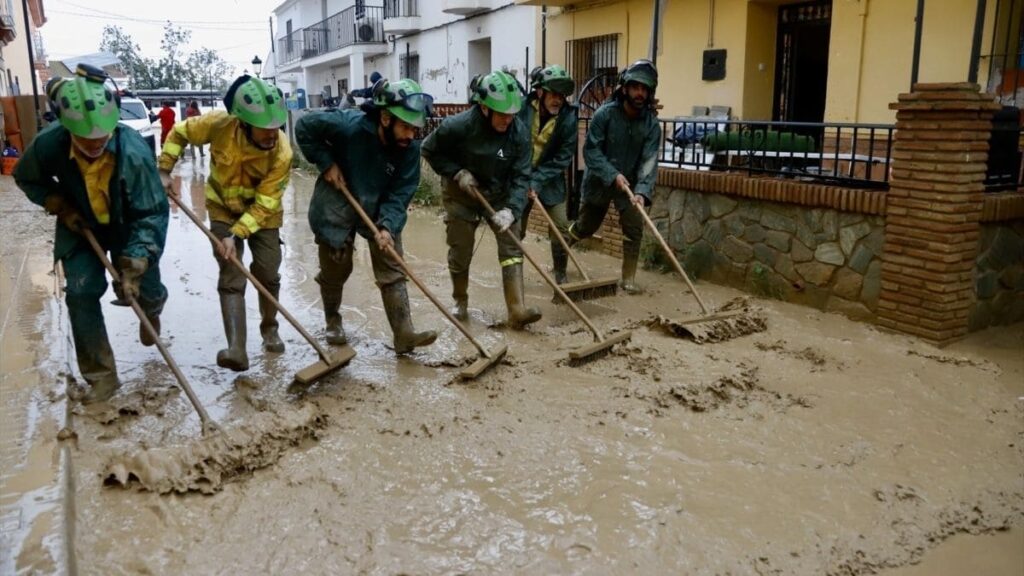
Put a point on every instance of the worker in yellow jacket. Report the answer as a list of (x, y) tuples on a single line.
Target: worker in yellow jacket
[(249, 172)]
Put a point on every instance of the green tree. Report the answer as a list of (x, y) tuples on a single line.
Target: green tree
[(140, 70), (207, 70), (171, 70), (200, 69)]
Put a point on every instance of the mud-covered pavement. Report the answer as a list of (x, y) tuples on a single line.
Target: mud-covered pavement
[(821, 446)]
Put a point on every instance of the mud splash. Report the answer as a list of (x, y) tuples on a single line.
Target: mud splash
[(208, 463)]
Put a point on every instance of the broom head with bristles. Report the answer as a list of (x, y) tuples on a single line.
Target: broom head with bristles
[(588, 290)]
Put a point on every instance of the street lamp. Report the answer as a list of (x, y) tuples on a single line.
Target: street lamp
[(257, 65)]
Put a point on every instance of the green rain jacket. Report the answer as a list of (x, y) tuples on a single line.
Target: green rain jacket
[(617, 145), (548, 176), (383, 179), (138, 203), (500, 162)]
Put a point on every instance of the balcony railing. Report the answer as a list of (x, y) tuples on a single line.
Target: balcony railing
[(341, 30), (851, 155), (400, 8), (855, 155)]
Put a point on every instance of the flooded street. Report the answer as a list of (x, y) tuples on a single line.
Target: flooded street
[(820, 446)]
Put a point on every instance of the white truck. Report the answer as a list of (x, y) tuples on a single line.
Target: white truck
[(135, 115)]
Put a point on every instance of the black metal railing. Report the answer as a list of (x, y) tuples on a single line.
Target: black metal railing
[(400, 8), (856, 155), (289, 48), (348, 27), (1004, 152)]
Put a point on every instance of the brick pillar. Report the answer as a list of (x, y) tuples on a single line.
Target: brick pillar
[(933, 210)]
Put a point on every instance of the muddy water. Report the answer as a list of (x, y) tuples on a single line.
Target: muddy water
[(818, 446)]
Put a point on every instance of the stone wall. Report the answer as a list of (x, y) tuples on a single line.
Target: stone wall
[(999, 279), (821, 257)]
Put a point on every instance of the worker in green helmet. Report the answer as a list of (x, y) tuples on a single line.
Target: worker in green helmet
[(621, 152), (92, 173), (552, 122), (373, 153), (486, 148), (248, 176)]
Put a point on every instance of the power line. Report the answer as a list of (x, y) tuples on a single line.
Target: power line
[(199, 22), (222, 28)]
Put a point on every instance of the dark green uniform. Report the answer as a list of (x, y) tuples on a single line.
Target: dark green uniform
[(549, 165), (137, 228), (383, 179), (616, 145), (500, 163)]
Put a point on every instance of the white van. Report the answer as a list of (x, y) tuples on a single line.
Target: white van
[(135, 115)]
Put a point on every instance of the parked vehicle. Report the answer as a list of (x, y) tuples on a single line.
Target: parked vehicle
[(135, 115)]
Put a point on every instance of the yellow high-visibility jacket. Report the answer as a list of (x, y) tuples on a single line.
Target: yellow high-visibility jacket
[(245, 184)]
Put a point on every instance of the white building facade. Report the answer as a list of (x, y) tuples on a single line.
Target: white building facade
[(327, 48)]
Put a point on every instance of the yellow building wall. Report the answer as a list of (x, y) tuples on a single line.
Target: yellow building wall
[(759, 72), (684, 38), (870, 50)]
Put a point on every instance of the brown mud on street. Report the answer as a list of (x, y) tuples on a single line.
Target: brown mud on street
[(819, 446)]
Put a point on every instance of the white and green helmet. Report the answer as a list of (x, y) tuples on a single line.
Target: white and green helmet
[(256, 102), (405, 99), (84, 104), (554, 78), (499, 91)]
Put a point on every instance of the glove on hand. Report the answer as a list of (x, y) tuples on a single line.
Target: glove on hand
[(131, 271), (503, 219), (67, 214), (168, 183), (466, 181)]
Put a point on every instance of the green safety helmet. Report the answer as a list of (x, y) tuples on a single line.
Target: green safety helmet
[(256, 102), (405, 99), (535, 77), (554, 78), (84, 104), (641, 71), (499, 91)]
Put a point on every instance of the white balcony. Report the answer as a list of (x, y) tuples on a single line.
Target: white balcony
[(466, 7)]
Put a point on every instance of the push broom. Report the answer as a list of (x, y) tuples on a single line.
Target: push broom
[(601, 346), (487, 358), (221, 454), (709, 326), (587, 289), (328, 362)]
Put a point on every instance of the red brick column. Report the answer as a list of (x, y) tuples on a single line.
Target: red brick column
[(933, 210)]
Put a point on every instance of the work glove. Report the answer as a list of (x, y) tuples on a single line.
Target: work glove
[(131, 271), (68, 215), (167, 182), (503, 219), (466, 181)]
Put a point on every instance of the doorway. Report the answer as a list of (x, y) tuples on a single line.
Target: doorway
[(801, 61), (479, 58)]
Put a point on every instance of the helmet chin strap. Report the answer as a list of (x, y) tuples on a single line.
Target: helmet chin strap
[(247, 129), (91, 155)]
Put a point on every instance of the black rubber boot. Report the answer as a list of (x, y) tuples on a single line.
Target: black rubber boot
[(144, 336), (98, 369), (268, 326), (335, 332), (518, 314), (460, 293), (628, 281), (559, 261), (396, 306), (234, 357)]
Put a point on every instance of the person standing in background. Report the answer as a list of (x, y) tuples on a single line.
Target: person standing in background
[(191, 112), (166, 116)]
